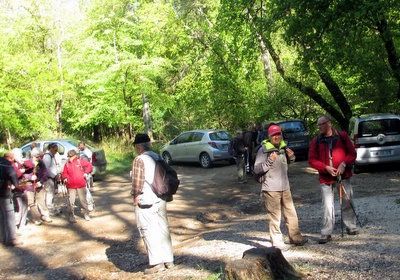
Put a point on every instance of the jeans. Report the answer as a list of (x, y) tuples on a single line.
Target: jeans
[(7, 220), (278, 204), (328, 208)]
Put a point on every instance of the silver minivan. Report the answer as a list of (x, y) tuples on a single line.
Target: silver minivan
[(376, 138), (203, 146)]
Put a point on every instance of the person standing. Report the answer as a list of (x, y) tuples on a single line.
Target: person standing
[(8, 181), (51, 160), (332, 154), (85, 151), (74, 177), (239, 153), (272, 165), (150, 210)]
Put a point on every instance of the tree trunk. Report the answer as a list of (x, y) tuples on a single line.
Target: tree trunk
[(147, 117), (267, 65), (261, 264), (9, 139), (393, 59), (96, 133)]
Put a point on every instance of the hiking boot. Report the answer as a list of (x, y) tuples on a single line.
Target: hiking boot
[(37, 222), (352, 231), (87, 217), (169, 265), (72, 219), (324, 239), (297, 243), (155, 269), (46, 220)]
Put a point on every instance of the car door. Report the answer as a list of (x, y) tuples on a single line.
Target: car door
[(177, 147), (194, 147)]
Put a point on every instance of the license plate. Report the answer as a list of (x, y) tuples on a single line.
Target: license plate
[(383, 153)]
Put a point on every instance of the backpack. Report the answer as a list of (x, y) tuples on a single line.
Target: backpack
[(166, 182)]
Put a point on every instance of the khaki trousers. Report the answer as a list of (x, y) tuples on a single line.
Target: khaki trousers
[(278, 204)]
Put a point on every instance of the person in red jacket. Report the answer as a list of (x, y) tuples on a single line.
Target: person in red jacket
[(74, 177), (332, 154)]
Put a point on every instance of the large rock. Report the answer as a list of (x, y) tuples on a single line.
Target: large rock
[(261, 264)]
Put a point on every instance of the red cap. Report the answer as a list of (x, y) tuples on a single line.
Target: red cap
[(274, 129)]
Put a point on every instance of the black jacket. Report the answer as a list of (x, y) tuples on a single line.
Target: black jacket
[(7, 177)]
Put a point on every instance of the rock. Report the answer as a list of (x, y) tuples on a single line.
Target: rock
[(261, 264)]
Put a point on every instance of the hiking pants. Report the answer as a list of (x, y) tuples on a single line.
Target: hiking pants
[(277, 204), (7, 220), (328, 208), (81, 192), (152, 224), (241, 167)]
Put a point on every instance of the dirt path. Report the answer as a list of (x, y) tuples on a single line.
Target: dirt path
[(205, 214)]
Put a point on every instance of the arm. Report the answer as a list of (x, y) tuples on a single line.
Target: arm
[(87, 166), (263, 162), (313, 157), (137, 178), (12, 175)]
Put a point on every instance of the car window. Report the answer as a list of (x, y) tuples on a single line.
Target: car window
[(219, 136), (375, 127), (197, 136), (290, 127), (183, 138), (26, 151), (61, 148)]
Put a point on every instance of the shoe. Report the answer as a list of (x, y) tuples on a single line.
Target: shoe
[(155, 269), (47, 220), (37, 222), (14, 243), (87, 217), (324, 239), (352, 231), (169, 265), (297, 243), (72, 219)]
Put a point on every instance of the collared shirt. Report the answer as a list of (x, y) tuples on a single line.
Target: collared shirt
[(137, 177)]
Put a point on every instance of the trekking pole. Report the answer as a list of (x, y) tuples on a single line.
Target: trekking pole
[(339, 180), (341, 187)]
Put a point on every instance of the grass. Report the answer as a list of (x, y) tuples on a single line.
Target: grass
[(120, 155)]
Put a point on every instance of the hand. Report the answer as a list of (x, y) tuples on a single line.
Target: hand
[(22, 170), (273, 156), (341, 168), (331, 170), (38, 184), (289, 152), (135, 200), (33, 177)]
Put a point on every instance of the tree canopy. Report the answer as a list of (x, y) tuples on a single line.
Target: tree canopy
[(100, 68)]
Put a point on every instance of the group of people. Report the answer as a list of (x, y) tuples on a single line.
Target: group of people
[(28, 187), (332, 154)]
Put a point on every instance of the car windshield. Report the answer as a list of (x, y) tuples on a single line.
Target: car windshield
[(219, 136), (73, 142), (375, 127), (290, 127)]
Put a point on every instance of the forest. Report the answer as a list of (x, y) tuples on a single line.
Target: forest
[(102, 69)]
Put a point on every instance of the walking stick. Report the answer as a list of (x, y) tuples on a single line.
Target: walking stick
[(342, 191)]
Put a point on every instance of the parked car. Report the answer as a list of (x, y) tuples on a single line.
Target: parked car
[(296, 136), (203, 146), (376, 138), (64, 145)]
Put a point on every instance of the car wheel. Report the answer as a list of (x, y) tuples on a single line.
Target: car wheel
[(167, 158), (205, 160)]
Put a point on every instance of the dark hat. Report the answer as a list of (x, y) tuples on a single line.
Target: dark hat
[(141, 138)]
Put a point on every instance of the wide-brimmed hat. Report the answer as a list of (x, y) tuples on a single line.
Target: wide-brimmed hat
[(141, 138)]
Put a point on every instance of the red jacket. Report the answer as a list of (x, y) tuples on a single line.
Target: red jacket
[(74, 171), (342, 150)]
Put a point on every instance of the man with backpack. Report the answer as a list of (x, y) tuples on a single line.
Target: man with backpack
[(239, 153), (150, 209), (332, 154), (271, 167), (74, 177)]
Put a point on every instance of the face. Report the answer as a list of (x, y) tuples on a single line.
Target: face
[(276, 139), (324, 125), (81, 147)]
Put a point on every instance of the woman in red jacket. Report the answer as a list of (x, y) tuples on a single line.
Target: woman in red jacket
[(74, 177), (333, 155)]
